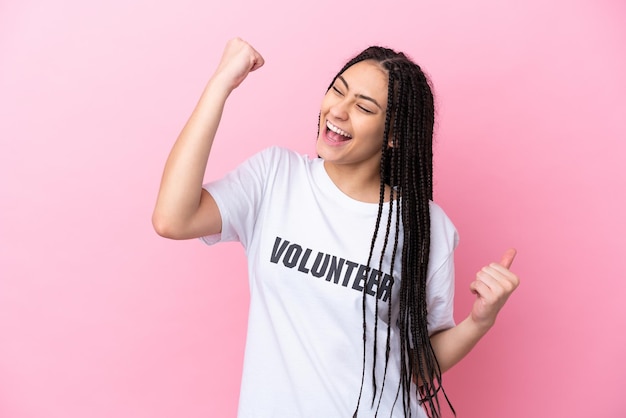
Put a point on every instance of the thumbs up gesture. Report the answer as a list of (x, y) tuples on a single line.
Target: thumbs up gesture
[(493, 285)]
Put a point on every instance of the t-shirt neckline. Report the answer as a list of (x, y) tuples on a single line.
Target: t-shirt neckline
[(328, 186)]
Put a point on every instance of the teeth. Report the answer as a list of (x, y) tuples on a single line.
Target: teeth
[(337, 130)]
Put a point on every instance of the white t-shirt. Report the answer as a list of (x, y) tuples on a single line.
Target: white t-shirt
[(307, 245)]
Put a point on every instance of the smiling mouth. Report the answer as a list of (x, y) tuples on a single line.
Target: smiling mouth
[(336, 133)]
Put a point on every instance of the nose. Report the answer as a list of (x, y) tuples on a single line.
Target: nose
[(339, 110)]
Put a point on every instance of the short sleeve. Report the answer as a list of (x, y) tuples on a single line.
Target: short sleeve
[(239, 195), (440, 284)]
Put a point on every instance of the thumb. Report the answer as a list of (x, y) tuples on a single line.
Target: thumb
[(507, 258), (257, 62)]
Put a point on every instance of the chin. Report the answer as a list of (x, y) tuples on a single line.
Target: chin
[(319, 149)]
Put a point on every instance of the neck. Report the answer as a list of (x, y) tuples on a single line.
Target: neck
[(360, 183)]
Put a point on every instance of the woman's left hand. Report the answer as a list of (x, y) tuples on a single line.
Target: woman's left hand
[(493, 286)]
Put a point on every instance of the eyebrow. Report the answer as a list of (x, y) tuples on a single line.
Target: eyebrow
[(361, 96)]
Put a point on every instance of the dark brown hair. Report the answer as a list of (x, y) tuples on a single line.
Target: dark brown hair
[(407, 167)]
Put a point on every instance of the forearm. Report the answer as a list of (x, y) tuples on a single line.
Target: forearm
[(181, 185), (453, 344), (493, 285)]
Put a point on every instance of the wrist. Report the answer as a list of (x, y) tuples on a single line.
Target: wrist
[(479, 326), (220, 86)]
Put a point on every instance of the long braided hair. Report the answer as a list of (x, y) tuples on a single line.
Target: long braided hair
[(406, 166)]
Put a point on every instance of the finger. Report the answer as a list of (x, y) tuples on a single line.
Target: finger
[(508, 257), (480, 289), (258, 62), (474, 287), (498, 278), (487, 277)]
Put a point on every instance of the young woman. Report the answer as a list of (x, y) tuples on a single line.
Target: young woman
[(350, 262)]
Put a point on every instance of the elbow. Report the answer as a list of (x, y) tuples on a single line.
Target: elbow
[(164, 226)]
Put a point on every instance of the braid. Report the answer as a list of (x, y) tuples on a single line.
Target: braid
[(407, 168)]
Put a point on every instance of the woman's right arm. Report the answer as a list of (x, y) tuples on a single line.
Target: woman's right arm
[(184, 209)]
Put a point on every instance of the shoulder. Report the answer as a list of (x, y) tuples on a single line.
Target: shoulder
[(280, 152), (444, 236), (278, 156), (439, 220)]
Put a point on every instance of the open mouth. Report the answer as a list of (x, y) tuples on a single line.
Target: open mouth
[(336, 134)]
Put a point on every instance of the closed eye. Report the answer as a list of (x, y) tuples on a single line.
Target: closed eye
[(366, 110), (339, 92)]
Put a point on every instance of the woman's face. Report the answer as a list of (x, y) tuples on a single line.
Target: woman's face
[(352, 117)]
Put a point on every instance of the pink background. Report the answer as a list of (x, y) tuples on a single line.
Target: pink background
[(100, 318)]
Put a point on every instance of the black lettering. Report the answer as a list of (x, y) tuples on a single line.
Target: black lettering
[(346, 277), (305, 258), (361, 276), (384, 290), (372, 282), (278, 251), (335, 269), (316, 270), (292, 255)]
